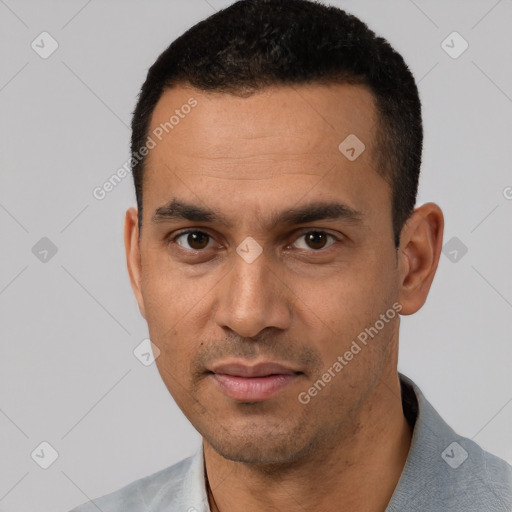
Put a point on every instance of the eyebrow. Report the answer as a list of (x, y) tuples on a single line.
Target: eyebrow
[(312, 212)]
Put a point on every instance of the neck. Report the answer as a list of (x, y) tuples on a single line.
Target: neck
[(360, 469)]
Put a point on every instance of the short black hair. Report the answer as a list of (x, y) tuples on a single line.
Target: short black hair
[(253, 44)]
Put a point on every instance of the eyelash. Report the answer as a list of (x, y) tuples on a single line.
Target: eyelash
[(172, 239)]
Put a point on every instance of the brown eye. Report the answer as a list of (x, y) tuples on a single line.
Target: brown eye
[(314, 240), (195, 240)]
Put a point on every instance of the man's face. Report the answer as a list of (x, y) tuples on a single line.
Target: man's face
[(242, 333)]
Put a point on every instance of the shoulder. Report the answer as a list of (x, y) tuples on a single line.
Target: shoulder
[(144, 494), (447, 471), (482, 482), (498, 475)]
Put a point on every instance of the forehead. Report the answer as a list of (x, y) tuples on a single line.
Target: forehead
[(269, 143), (303, 118)]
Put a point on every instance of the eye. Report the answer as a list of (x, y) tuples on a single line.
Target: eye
[(193, 240), (314, 240)]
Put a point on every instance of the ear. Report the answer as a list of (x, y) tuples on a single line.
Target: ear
[(133, 259), (421, 242)]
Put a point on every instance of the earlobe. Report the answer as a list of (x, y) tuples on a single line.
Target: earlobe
[(419, 253), (133, 255)]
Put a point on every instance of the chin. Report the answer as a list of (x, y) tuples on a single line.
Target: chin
[(255, 455), (261, 446)]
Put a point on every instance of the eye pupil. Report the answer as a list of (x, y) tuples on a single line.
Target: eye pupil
[(197, 240), (316, 240)]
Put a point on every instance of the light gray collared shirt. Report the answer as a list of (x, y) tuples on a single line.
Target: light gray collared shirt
[(443, 472)]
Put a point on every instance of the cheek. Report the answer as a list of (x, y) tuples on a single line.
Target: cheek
[(169, 295), (178, 308), (166, 311), (350, 294), (351, 301)]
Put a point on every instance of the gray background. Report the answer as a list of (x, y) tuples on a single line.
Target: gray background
[(70, 324)]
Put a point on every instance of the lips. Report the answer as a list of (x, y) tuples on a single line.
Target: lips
[(258, 370), (253, 383)]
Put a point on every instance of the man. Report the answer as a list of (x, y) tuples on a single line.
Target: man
[(276, 155)]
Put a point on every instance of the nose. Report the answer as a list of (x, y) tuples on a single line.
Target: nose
[(252, 297)]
